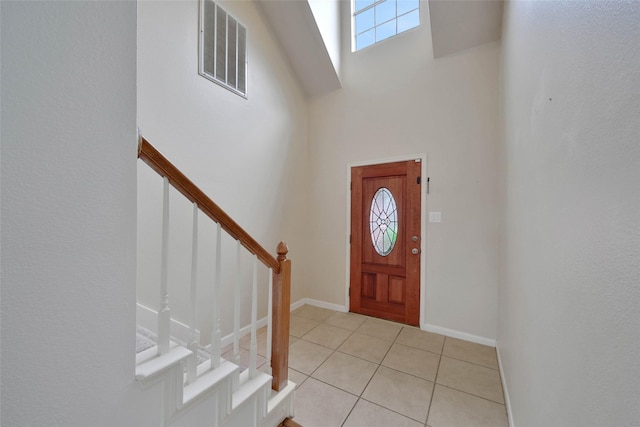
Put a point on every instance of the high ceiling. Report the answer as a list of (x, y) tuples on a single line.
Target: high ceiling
[(456, 25), (459, 25)]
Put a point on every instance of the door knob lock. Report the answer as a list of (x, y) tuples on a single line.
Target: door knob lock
[(415, 251)]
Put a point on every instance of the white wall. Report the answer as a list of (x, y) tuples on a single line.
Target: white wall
[(397, 101), (569, 306), (68, 213), (327, 17), (248, 155)]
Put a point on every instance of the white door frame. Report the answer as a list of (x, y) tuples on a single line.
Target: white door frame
[(423, 216)]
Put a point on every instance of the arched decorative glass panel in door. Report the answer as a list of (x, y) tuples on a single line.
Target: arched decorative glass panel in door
[(383, 221)]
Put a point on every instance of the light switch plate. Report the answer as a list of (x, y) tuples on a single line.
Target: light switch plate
[(435, 216)]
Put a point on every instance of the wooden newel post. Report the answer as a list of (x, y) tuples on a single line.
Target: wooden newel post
[(281, 316)]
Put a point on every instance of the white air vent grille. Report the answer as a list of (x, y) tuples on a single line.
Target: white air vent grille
[(223, 48)]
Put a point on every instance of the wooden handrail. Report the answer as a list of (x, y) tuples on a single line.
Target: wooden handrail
[(281, 267), (281, 320), (152, 157)]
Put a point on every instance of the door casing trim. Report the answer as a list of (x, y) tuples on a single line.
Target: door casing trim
[(423, 225)]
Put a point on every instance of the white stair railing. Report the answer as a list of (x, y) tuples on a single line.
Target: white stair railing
[(216, 332), (253, 345), (236, 304), (269, 321), (194, 338), (279, 273), (164, 314)]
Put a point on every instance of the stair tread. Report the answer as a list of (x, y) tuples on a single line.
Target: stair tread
[(208, 380), (153, 366), (249, 386)]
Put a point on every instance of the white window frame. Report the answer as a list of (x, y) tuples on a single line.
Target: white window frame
[(201, 65), (355, 12)]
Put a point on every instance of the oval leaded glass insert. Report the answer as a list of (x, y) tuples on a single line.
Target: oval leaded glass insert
[(383, 221)]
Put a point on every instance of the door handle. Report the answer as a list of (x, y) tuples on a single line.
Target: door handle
[(415, 251)]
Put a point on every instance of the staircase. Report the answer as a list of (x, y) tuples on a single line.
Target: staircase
[(187, 383)]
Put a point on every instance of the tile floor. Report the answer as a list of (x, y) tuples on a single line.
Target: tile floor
[(353, 370)]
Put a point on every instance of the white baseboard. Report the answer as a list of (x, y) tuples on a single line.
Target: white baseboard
[(296, 305), (507, 401), (318, 303), (460, 335), (427, 327)]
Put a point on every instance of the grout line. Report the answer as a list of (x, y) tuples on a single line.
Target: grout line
[(471, 363), (471, 394), (417, 348), (433, 390), (463, 360), (350, 411), (388, 409), (358, 357), (380, 364)]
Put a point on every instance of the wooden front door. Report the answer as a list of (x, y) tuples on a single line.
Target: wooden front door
[(385, 241)]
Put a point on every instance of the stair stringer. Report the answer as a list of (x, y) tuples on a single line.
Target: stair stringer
[(222, 397), (166, 372), (280, 406), (208, 400)]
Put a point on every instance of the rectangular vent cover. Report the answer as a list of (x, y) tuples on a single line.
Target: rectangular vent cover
[(223, 48)]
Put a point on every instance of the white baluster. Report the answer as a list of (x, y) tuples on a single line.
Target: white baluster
[(216, 333), (192, 362), (269, 321), (253, 348), (236, 306), (164, 315)]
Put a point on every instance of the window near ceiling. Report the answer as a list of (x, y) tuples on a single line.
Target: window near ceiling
[(377, 20), (223, 48)]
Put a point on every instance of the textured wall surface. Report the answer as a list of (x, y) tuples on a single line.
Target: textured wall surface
[(398, 101), (68, 213), (249, 155), (569, 300)]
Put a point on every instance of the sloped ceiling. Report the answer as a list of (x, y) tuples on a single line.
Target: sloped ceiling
[(295, 28), (457, 25)]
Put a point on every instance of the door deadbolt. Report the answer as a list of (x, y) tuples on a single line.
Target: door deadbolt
[(414, 238)]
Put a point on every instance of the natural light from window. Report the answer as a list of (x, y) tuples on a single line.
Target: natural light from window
[(374, 21)]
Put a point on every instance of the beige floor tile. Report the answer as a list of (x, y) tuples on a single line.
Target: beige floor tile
[(471, 378), (321, 405), (379, 328), (365, 347), (423, 340), (351, 321), (400, 392), (367, 414), (327, 335), (312, 312), (346, 372), (300, 326), (451, 407), (470, 352), (412, 361), (305, 357), (297, 377)]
